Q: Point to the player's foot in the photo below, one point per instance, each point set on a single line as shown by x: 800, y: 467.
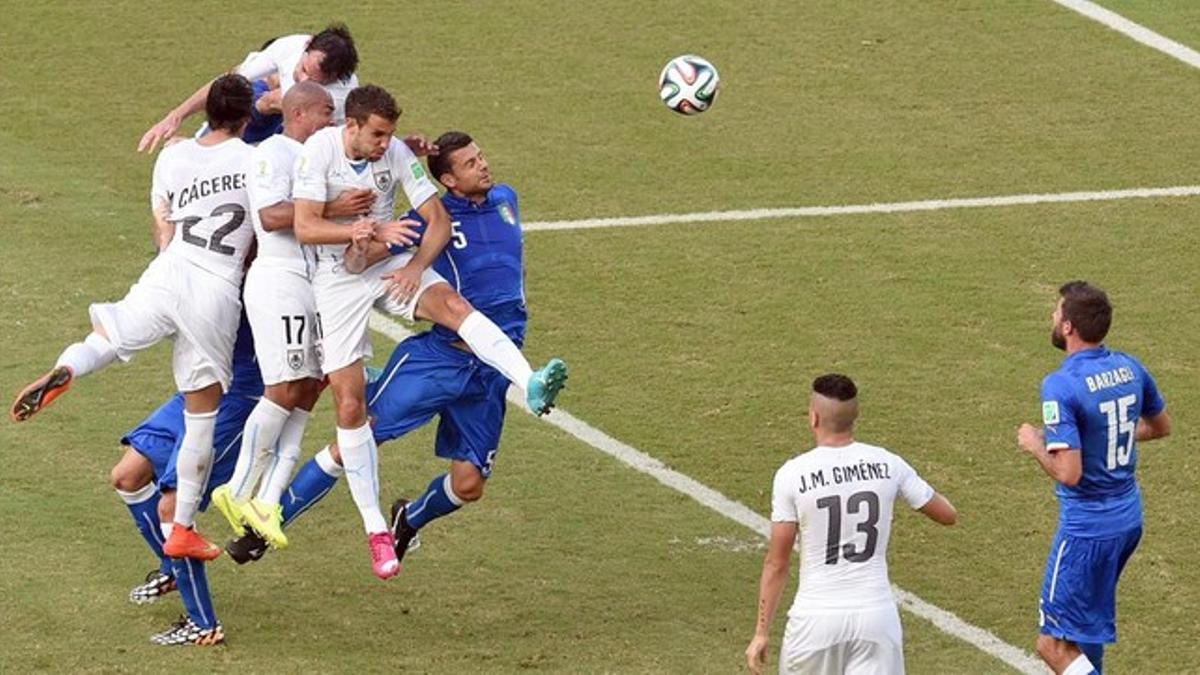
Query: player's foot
x: 267, y: 520
x: 185, y: 542
x: 247, y: 548
x: 544, y: 386
x: 383, y: 555
x: 157, y: 585
x: 41, y: 392
x: 407, y: 537
x: 185, y: 632
x: 222, y: 498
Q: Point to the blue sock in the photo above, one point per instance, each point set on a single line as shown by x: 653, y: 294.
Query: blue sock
x: 193, y: 590
x: 439, y: 500
x: 143, y: 506
x: 313, y: 481
x: 1095, y: 654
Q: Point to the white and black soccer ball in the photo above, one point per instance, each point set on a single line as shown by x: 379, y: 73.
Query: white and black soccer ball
x: 689, y: 84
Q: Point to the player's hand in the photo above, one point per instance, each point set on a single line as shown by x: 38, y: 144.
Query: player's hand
x: 397, y: 232
x: 420, y: 145
x: 1031, y: 438
x: 165, y: 129
x: 756, y: 654
x: 350, y: 203
x: 361, y: 233
x: 404, y: 282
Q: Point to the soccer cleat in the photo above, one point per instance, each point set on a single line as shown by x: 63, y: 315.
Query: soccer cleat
x: 544, y: 386
x: 157, y: 585
x: 41, y: 392
x: 407, y: 537
x: 247, y: 548
x: 185, y: 633
x: 267, y: 520
x: 383, y: 555
x: 222, y: 498
x: 185, y: 542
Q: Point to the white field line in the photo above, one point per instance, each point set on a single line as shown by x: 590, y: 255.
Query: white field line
x: 738, y: 512
x: 1134, y: 30
x: 885, y: 207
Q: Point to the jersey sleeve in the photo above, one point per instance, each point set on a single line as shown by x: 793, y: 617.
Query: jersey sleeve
x: 270, y: 181
x: 396, y: 249
x: 913, y: 489
x: 783, y: 502
x: 1058, y: 415
x: 1152, y: 400
x: 308, y: 176
x: 258, y: 65
x: 413, y: 177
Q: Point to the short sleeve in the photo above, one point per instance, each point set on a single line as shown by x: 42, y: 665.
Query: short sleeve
x: 270, y: 180
x: 308, y: 176
x: 783, y: 501
x: 1058, y: 415
x: 1152, y: 400
x: 913, y: 489
x: 257, y: 65
x: 413, y: 177
x: 160, y: 195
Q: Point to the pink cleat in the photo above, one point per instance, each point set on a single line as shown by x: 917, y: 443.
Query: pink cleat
x: 383, y: 555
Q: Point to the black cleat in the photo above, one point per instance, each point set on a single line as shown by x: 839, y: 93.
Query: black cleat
x: 185, y: 632
x: 156, y: 586
x: 246, y: 548
x: 407, y: 538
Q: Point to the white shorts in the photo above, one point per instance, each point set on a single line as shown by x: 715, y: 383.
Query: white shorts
x: 283, y: 315
x: 862, y: 642
x: 174, y: 298
x: 344, y: 303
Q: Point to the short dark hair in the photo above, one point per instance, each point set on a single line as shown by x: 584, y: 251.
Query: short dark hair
x: 341, y: 57
x: 447, y: 143
x: 230, y: 100
x: 370, y: 100
x: 835, y: 386
x: 1087, y: 307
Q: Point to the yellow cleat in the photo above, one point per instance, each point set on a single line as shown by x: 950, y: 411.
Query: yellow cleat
x: 267, y: 520
x: 222, y: 498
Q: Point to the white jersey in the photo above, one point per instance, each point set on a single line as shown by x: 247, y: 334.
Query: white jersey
x: 281, y: 58
x: 269, y: 182
x: 324, y: 171
x: 842, y: 500
x: 203, y: 188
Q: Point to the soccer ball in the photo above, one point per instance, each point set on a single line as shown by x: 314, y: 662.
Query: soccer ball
x: 688, y: 84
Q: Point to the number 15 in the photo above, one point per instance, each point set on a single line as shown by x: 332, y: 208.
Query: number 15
x: 1120, y: 425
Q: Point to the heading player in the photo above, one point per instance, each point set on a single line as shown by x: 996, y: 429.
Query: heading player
x: 839, y: 496
x: 1095, y: 408
x: 364, y: 153
x: 328, y: 58
x: 189, y: 292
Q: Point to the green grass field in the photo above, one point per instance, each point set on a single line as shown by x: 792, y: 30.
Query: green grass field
x: 693, y: 342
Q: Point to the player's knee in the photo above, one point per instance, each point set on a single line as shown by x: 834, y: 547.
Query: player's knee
x: 1048, y: 648
x: 166, y: 507
x: 468, y: 485
x: 126, y: 480
x: 456, y: 307
x: 351, y: 409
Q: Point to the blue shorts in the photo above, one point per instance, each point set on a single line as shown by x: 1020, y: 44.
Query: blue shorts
x: 1079, y: 593
x: 426, y: 377
x: 261, y: 127
x: 158, y: 437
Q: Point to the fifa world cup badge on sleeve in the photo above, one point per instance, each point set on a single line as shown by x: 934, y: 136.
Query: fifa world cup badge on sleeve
x: 1049, y: 412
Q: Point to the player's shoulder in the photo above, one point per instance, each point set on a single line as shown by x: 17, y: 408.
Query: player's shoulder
x: 503, y: 192
x: 1127, y: 359
x: 1059, y: 382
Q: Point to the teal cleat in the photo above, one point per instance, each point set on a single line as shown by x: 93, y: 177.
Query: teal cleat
x: 544, y: 386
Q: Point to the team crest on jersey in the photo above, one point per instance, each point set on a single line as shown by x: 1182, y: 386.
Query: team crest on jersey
x: 383, y: 179
x: 295, y: 358
x: 1050, y: 412
x: 507, y: 214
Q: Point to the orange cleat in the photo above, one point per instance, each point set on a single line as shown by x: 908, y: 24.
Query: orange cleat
x: 41, y: 392
x: 185, y: 542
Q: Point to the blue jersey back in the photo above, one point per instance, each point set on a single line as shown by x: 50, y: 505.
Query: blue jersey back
x: 1093, y: 403
x: 485, y: 259
x: 247, y: 379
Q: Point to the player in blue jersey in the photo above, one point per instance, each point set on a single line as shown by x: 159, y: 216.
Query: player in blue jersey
x: 145, y: 480
x: 434, y: 373
x: 1095, y: 409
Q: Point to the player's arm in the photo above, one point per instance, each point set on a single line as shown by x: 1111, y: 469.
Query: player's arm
x: 437, y: 232
x: 1154, y: 427
x: 1063, y: 464
x: 169, y: 125
x: 940, y: 510
x: 164, y: 230
x: 770, y: 588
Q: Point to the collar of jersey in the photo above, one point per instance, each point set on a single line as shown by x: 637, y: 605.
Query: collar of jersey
x: 1091, y: 353
x: 452, y: 199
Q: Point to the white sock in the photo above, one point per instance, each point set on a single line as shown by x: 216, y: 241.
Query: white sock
x: 1082, y: 665
x: 362, y: 473
x: 286, y: 456
x: 495, y: 348
x: 194, y: 464
x: 88, y: 356
x: 166, y: 529
x: 138, y: 496
x: 325, y: 460
x: 262, y: 430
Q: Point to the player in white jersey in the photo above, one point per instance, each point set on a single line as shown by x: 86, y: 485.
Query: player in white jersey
x: 328, y: 58
x: 839, y: 497
x: 189, y: 293
x: 364, y: 153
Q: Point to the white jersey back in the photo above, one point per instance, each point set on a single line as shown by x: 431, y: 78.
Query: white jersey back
x: 269, y: 182
x: 842, y: 500
x: 281, y: 58
x: 203, y: 189
x: 324, y: 171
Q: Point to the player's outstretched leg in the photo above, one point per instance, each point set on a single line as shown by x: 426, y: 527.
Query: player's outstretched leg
x: 77, y: 360
x: 544, y: 385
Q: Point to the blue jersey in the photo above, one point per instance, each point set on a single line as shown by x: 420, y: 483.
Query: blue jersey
x: 247, y: 379
x: 485, y: 259
x: 1093, y: 403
